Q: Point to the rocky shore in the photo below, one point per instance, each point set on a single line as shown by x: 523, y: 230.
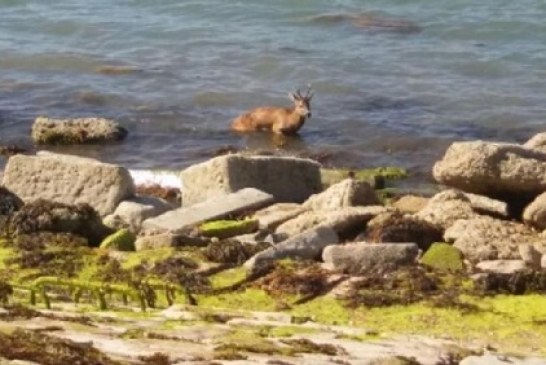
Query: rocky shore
x: 276, y: 260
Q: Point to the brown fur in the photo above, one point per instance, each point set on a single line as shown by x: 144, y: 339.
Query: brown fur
x: 275, y: 119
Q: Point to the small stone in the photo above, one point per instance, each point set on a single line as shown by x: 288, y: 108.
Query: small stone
x: 76, y: 131
x: 443, y: 256
x: 410, y: 203
x: 347, y: 193
x: 276, y: 214
x: 502, y: 266
x: 530, y: 255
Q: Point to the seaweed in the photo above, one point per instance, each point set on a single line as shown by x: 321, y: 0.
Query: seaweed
x: 232, y: 251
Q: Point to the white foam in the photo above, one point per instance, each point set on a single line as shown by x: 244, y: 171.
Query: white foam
x: 163, y: 178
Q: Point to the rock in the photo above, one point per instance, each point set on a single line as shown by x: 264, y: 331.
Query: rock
x: 362, y: 257
x: 288, y: 179
x: 502, y: 266
x: 410, y: 203
x: 305, y: 246
x: 498, y: 359
x: 492, y: 169
x: 535, y: 213
x: 396, y: 227
x: 9, y: 202
x: 276, y: 214
x: 486, y: 238
x: 122, y: 240
x: 178, y: 220
x: 347, y: 193
x: 530, y: 255
x: 445, y: 208
x: 486, y: 205
x: 228, y: 228
x: 537, y: 142
x: 342, y: 221
x: 443, y: 256
x: 152, y: 241
x: 132, y: 212
x: 43, y: 215
x: 68, y: 179
x: 76, y: 131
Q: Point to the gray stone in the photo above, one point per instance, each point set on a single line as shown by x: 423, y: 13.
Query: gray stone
x: 306, y: 246
x: 492, y: 168
x: 362, y: 257
x: 131, y: 213
x: 486, y: 205
x: 502, y: 266
x: 276, y: 214
x: 178, y: 220
x: 535, y: 213
x: 68, y: 179
x: 76, y: 131
x: 347, y: 193
x: 485, y: 238
x: 340, y: 221
x: 288, y: 179
x: 530, y: 255
x: 447, y: 207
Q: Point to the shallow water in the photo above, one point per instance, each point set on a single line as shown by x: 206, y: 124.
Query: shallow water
x: 186, y: 68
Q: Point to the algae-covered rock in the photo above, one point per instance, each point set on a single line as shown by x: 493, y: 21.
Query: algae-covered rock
x: 395, y: 227
x: 76, y: 131
x: 43, y: 215
x: 228, y: 228
x: 122, y: 240
x: 374, y: 176
x: 443, y: 256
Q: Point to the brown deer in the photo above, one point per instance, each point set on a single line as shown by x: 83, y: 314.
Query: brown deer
x: 276, y: 119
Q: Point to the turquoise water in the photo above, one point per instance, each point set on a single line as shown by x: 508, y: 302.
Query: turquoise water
x: 472, y: 69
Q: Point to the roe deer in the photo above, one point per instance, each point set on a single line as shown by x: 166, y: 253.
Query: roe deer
x: 275, y: 119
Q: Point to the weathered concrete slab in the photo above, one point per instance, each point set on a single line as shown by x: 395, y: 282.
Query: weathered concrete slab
x: 306, y: 246
x: 179, y: 219
x: 131, y: 213
x: 68, y: 179
x: 362, y: 257
x: 273, y: 216
x: 288, y: 179
x: 502, y: 266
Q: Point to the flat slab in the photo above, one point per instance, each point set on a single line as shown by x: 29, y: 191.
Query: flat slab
x: 177, y: 220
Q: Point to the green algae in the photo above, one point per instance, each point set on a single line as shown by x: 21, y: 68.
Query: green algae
x: 122, y: 240
x: 228, y: 278
x: 228, y: 228
x: 443, y: 256
x: 245, y: 299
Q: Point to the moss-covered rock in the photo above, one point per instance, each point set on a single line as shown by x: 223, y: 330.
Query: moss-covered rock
x: 232, y: 251
x: 375, y: 176
x: 122, y: 240
x: 443, y: 256
x: 228, y: 228
x: 396, y: 227
x: 43, y: 215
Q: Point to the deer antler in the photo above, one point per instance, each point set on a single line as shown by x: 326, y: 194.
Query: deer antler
x: 309, y: 93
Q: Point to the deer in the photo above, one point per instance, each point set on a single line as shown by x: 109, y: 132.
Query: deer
x: 283, y: 121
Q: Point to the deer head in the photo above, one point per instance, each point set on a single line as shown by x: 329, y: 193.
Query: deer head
x: 302, y: 103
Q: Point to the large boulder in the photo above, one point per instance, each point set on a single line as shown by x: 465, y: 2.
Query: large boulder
x: 492, y: 169
x: 347, y: 193
x: 537, y: 142
x: 76, y: 131
x: 362, y: 257
x: 485, y: 238
x: 288, y: 179
x: 68, y: 179
x: 42, y: 215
